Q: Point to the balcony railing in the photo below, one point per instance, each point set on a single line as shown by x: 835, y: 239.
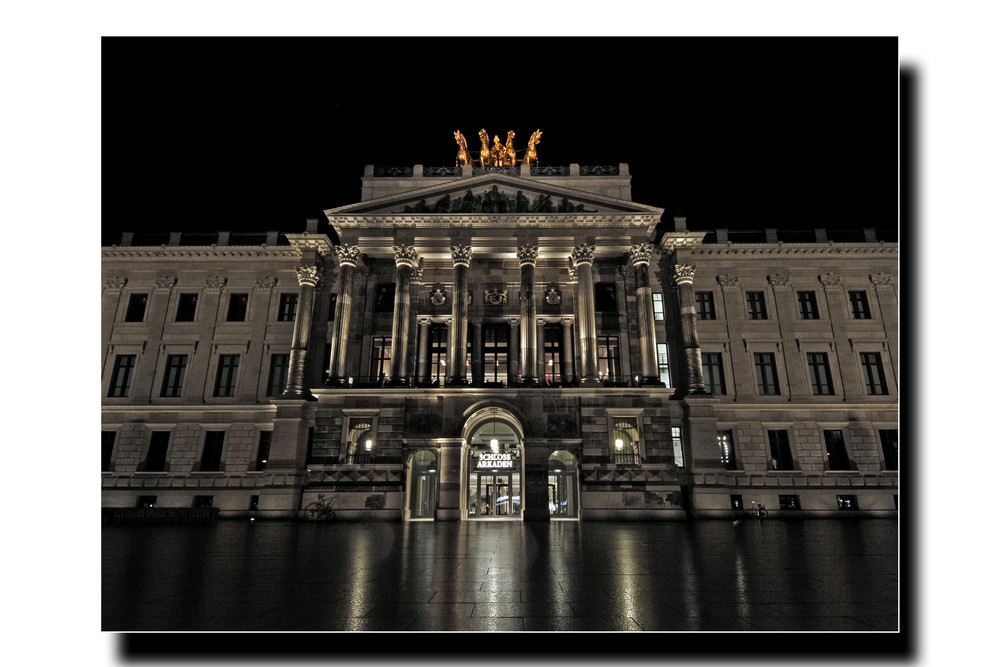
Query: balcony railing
x: 627, y: 459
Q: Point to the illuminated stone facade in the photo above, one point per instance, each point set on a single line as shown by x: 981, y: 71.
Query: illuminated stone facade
x: 517, y: 343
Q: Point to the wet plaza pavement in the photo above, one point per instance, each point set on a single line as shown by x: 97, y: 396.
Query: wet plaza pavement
x: 812, y: 575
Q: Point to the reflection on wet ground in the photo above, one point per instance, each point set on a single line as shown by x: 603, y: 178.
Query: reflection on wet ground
x: 815, y: 575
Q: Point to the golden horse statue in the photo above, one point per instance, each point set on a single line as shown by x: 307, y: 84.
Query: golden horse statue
x: 510, y: 159
x: 531, y: 155
x: 484, y: 154
x: 463, y: 150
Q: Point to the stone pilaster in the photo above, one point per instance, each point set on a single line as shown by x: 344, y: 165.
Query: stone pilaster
x: 640, y: 254
x: 423, y: 350
x: 583, y: 260
x: 458, y: 334
x: 567, y: 370
x: 348, y: 257
x: 513, y: 343
x: 684, y: 279
x: 295, y: 388
x: 406, y: 261
x: 526, y: 257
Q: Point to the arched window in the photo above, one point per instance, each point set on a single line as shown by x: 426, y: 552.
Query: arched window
x: 625, y: 440
x: 562, y: 485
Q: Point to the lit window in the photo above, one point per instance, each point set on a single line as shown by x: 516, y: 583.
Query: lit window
x: 727, y: 452
x: 848, y: 503
x: 780, y: 449
x: 675, y: 439
x: 625, y: 440
x: 658, y: 313
x: 789, y: 502
x: 663, y: 363
x: 361, y: 439
x: 608, y: 362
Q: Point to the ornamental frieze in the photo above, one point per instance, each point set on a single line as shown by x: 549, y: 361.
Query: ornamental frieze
x: 164, y: 283
x: 728, y: 280
x: 495, y: 201
x: 495, y: 297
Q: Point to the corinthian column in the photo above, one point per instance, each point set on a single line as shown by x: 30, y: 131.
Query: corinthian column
x: 684, y: 278
x: 458, y: 335
x: 640, y: 254
x: 527, y: 255
x: 295, y: 387
x: 583, y: 260
x: 348, y: 256
x: 406, y: 261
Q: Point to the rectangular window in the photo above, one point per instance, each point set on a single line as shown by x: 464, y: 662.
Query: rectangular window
x: 756, y: 309
x: 385, y: 298
x: 727, y: 452
x: 263, y: 450
x: 173, y: 375
x: 711, y: 368
x: 156, y: 455
x: 496, y: 340
x: 889, y: 438
x: 871, y: 365
x: 551, y: 346
x: 237, y: 311
x: 107, y: 449
x: 678, y: 444
x: 605, y: 298
x: 859, y: 305
x: 187, y: 306
x: 625, y: 440
x: 736, y: 502
x: 658, y: 312
x: 819, y: 373
x: 145, y: 502
x: 211, y: 453
x: 439, y: 353
x: 781, y: 450
x: 136, y: 310
x: 848, y: 503
x: 332, y: 313
x: 225, y: 377
x: 836, y: 451
x: 121, y: 375
x: 277, y: 374
x: 608, y: 361
x: 788, y: 502
x: 808, y: 307
x: 704, y: 303
x: 767, y: 373
x: 254, y: 501
x: 663, y: 363
x: 203, y: 502
x: 286, y: 307
x: 381, y: 357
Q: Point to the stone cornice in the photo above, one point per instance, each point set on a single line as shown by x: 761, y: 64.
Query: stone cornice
x: 545, y: 220
x: 811, y: 250
x: 198, y: 253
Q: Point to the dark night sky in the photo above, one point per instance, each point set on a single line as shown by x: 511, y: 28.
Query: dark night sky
x: 259, y: 134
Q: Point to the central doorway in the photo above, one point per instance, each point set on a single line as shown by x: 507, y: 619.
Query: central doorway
x: 493, y: 466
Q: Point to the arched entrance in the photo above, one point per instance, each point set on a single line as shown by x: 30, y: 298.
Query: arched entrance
x: 493, y: 466
x: 423, y: 484
x: 563, y: 503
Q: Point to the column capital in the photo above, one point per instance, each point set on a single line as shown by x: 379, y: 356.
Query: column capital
x: 513, y: 320
x: 165, y: 283
x: 115, y: 284
x: 779, y: 280
x: 583, y: 254
x: 406, y: 255
x: 684, y: 274
x: 309, y: 275
x: 461, y: 255
x: 880, y: 279
x: 216, y: 282
x: 527, y: 254
x: 348, y: 255
x: 574, y: 277
x: 424, y: 321
x: 640, y: 253
x: 728, y: 280
x: 265, y: 283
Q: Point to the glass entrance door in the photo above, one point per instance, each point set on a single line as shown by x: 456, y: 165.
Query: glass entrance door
x: 494, y: 495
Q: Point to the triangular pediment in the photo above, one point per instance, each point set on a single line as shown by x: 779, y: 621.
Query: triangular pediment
x: 490, y: 194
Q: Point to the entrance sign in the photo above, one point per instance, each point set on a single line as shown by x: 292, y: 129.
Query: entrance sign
x: 495, y: 460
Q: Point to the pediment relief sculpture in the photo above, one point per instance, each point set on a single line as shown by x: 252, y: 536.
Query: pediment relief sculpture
x: 495, y: 201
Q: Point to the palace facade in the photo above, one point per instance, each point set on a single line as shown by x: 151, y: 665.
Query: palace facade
x: 500, y: 343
